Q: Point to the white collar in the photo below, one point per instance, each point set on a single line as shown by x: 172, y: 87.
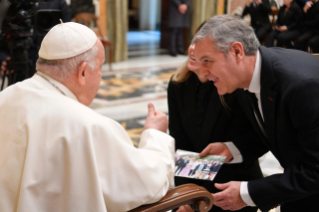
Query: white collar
x: 63, y: 88
x: 254, y: 86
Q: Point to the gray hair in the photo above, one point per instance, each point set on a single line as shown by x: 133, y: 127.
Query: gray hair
x: 64, y: 68
x: 227, y: 29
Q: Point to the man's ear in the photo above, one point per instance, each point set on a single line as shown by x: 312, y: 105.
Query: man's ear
x: 82, y: 74
x: 237, y: 50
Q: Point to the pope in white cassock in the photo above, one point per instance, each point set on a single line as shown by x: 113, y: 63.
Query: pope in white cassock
x: 56, y: 154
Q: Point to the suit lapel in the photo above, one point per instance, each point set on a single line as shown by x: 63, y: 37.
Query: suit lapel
x: 268, y: 96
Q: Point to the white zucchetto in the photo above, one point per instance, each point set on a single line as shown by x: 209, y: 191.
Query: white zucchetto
x: 67, y: 40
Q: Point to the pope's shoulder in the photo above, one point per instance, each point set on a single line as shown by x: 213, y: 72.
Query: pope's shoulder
x: 45, y: 104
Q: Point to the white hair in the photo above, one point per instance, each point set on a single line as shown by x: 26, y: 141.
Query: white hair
x: 227, y: 29
x: 64, y: 68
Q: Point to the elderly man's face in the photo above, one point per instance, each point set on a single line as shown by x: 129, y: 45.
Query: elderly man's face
x: 216, y: 67
x: 95, y: 76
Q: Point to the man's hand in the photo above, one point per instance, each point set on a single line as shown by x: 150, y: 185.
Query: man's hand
x: 281, y: 28
x: 229, y: 198
x: 185, y: 208
x: 156, y: 119
x: 217, y: 148
x: 307, y: 6
x: 182, y: 8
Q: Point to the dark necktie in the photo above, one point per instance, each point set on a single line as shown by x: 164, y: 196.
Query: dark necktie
x: 254, y: 104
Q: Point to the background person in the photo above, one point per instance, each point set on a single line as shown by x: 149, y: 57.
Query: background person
x: 57, y: 154
x: 178, y: 19
x: 259, y: 17
x: 286, y: 26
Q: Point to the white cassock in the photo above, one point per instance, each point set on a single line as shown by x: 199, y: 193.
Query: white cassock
x: 59, y: 155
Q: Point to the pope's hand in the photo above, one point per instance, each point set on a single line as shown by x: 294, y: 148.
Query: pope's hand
x: 229, y: 198
x: 217, y: 148
x: 155, y: 119
x: 185, y: 208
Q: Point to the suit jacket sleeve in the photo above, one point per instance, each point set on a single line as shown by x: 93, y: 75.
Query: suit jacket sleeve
x: 187, y: 2
x: 176, y: 2
x: 301, y: 178
x: 265, y: 5
x: 279, y: 18
x: 179, y: 2
x: 176, y: 128
x: 313, y: 22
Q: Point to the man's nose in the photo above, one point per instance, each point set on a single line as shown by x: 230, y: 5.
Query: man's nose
x: 203, y: 72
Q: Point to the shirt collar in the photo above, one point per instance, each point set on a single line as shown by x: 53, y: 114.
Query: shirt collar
x: 254, y: 86
x: 63, y: 88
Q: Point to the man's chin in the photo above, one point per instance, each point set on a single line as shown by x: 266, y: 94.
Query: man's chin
x: 221, y: 91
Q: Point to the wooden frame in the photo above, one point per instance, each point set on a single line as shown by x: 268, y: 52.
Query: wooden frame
x: 188, y: 194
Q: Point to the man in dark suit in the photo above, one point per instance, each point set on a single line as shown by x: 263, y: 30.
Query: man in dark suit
x: 178, y: 19
x: 181, y: 163
x: 201, y: 166
x: 259, y: 12
x: 215, y: 167
x: 282, y: 102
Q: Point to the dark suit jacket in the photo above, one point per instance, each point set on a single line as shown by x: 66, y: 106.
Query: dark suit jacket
x: 219, y: 126
x: 290, y: 105
x: 310, y: 19
x: 260, y: 15
x: 175, y: 18
x: 290, y: 18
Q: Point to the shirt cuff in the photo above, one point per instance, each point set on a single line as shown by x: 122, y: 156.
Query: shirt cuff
x: 245, y: 195
x: 237, y: 157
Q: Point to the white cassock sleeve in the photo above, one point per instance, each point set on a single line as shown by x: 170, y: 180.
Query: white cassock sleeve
x: 133, y: 176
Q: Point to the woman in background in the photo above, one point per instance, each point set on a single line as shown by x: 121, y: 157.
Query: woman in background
x: 198, y: 116
x: 286, y: 27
